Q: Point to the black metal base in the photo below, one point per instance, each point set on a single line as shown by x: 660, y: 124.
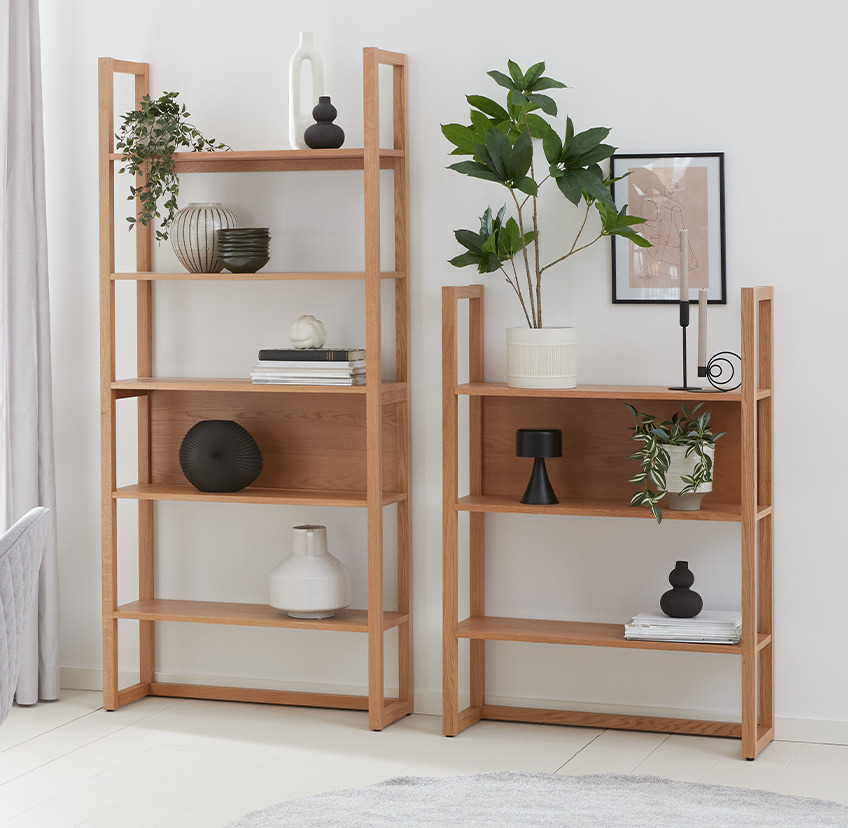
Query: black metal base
x: 685, y: 388
x: 539, y: 491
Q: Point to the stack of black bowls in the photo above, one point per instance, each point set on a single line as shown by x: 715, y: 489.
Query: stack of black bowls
x: 244, y: 249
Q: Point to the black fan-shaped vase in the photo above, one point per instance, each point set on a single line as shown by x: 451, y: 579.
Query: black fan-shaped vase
x: 219, y: 456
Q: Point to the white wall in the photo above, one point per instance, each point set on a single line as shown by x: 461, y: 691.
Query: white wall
x: 761, y: 81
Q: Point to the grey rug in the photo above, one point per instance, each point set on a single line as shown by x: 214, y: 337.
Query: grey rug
x: 540, y: 800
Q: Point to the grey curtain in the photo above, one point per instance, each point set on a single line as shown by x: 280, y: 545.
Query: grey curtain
x: 26, y: 420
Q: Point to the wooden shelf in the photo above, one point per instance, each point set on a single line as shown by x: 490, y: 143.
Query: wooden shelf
x: 592, y: 479
x: 321, y: 445
x: 579, y: 633
x: 148, y: 276
x: 346, y: 158
x: 390, y: 391
x: 599, y: 508
x: 285, y: 497
x: 603, y: 392
x: 249, y: 615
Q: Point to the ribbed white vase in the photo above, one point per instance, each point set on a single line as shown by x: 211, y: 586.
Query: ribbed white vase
x: 310, y: 583
x: 679, y: 464
x: 193, y: 236
x: 541, y: 357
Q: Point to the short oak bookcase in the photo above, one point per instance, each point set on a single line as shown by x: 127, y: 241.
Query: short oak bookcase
x: 592, y: 480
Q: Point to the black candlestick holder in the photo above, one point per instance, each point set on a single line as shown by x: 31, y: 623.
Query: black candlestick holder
x: 539, y: 443
x: 684, y: 325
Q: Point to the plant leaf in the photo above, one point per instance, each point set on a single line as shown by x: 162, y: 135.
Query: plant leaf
x: 501, y: 79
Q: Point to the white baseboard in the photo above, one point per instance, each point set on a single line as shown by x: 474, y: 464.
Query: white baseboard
x: 429, y: 702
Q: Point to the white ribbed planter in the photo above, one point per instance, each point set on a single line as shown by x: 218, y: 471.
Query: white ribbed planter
x: 679, y: 465
x: 541, y: 357
x: 193, y: 236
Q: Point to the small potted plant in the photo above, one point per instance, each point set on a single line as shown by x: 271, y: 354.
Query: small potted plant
x: 677, y: 457
x: 500, y: 143
x: 148, y: 137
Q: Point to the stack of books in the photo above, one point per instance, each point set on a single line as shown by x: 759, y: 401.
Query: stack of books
x: 708, y: 627
x: 310, y: 366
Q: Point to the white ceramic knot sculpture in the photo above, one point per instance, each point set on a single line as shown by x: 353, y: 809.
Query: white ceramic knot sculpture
x: 308, y: 332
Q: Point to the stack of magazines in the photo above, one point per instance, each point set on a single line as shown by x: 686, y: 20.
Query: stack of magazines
x: 310, y: 366
x: 708, y: 627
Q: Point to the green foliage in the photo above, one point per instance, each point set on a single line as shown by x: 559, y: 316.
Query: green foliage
x: 148, y: 138
x: 499, y: 141
x: 495, y: 243
x: 683, y: 429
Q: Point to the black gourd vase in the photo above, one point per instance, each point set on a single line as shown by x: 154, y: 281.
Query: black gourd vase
x: 681, y: 601
x: 324, y: 134
x: 219, y: 456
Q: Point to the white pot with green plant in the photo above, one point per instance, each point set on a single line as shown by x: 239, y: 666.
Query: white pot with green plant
x: 500, y: 143
x: 677, y: 458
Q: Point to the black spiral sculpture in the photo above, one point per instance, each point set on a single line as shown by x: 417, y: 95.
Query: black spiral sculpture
x: 721, y: 370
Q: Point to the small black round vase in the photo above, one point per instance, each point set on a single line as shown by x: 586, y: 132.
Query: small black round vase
x: 681, y: 601
x: 219, y: 456
x: 324, y: 134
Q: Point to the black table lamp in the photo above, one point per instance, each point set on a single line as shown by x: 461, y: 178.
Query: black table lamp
x: 539, y: 443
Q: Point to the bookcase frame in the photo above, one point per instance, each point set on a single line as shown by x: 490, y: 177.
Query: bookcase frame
x: 591, y: 480
x: 361, y: 460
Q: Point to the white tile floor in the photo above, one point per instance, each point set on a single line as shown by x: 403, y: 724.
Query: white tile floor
x: 196, y: 764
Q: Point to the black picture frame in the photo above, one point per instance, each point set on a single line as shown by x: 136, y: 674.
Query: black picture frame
x: 656, y: 189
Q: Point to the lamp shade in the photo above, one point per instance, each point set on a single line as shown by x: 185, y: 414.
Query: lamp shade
x: 538, y: 442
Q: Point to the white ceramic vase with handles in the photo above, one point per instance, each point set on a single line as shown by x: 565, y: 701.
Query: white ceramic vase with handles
x: 298, y: 119
x: 310, y: 583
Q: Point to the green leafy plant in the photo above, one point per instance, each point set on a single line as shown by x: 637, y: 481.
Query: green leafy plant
x: 148, y: 138
x: 685, y: 428
x: 499, y: 140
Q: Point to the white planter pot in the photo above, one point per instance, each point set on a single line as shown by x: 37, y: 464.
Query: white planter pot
x: 193, y: 236
x: 679, y: 465
x: 541, y: 357
x: 310, y: 583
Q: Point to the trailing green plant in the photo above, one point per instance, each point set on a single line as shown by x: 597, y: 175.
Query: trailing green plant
x: 499, y: 140
x: 685, y: 428
x: 148, y: 137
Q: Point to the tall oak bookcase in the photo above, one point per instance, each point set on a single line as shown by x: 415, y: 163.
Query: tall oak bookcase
x: 364, y: 465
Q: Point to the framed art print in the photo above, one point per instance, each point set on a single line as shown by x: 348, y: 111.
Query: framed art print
x: 672, y: 192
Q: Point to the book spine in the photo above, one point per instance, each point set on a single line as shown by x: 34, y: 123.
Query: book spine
x: 313, y: 354
x: 314, y: 365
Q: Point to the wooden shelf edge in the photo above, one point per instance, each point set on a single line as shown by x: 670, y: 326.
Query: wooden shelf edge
x: 248, y: 694
x: 254, y: 277
x: 596, y: 392
x: 726, y: 512
x: 248, y: 615
x: 152, y: 491
x: 574, y: 633
x: 137, y: 386
x: 616, y: 721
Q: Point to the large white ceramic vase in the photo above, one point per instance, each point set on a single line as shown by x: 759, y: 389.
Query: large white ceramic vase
x: 680, y: 464
x: 310, y: 583
x: 193, y: 236
x: 541, y: 357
